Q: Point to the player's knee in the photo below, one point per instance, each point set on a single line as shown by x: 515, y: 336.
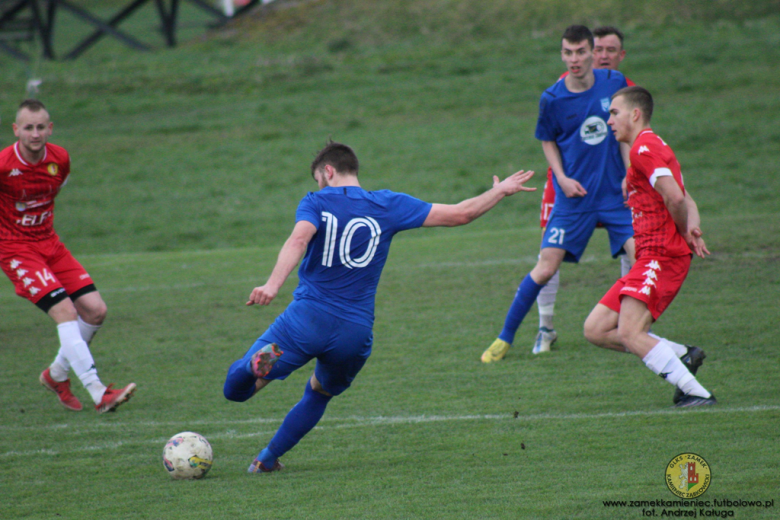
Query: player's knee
x: 593, y: 331
x: 96, y: 314
x: 91, y: 308
x: 235, y: 394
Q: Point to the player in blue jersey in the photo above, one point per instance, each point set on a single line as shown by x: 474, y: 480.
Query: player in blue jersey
x: 589, y: 168
x: 341, y: 238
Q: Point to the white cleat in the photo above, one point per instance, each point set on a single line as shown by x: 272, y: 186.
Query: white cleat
x: 544, y: 340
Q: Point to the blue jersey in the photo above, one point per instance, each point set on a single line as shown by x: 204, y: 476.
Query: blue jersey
x: 577, y: 122
x: 345, y: 257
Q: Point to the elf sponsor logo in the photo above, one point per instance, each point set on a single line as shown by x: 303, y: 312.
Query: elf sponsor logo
x: 688, y: 475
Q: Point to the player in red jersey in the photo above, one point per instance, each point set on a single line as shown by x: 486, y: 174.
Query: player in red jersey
x: 666, y: 230
x: 608, y: 52
x: 32, y: 172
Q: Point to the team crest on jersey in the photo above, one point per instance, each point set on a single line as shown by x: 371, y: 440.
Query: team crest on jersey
x: 21, y: 206
x: 53, y: 169
x: 593, y: 130
x: 15, y: 172
x: 605, y: 104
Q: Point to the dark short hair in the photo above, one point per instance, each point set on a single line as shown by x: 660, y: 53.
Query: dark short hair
x: 606, y: 30
x: 33, y: 105
x: 340, y: 156
x: 638, y: 97
x: 578, y: 33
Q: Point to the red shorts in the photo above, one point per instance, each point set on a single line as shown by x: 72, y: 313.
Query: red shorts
x: 42, y: 268
x: 654, y: 280
x: 548, y: 199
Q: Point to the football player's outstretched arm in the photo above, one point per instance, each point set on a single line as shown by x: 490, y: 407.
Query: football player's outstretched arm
x: 470, y: 209
x: 292, y: 252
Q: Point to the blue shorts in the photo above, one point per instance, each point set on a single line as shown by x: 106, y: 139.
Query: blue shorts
x: 572, y: 232
x: 305, y: 331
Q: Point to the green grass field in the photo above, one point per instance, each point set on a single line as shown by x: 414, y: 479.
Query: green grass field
x: 187, y: 167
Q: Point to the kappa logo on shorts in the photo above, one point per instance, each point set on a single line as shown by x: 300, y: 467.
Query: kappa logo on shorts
x: 34, y: 291
x: 27, y: 281
x: 650, y: 277
x: 21, y: 272
x: 15, y: 263
x: 593, y: 131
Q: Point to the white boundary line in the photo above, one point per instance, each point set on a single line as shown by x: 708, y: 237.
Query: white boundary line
x: 340, y: 423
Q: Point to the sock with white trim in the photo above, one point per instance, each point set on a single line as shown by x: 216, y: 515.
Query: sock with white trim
x: 546, y: 301
x: 87, y: 330
x: 663, y: 361
x: 679, y: 350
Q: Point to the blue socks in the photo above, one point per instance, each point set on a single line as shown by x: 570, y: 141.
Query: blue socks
x: 299, y: 421
x: 524, y: 298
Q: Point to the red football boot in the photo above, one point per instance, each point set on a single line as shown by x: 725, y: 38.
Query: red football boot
x: 113, y: 398
x: 62, y: 389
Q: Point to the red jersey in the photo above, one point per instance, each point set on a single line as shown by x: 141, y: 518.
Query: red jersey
x: 27, y: 192
x: 654, y: 230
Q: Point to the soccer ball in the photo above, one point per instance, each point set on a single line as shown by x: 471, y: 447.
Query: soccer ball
x: 187, y: 455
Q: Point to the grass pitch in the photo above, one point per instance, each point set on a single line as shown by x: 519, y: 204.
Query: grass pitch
x: 187, y: 167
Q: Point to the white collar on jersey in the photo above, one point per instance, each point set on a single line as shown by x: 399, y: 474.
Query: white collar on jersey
x: 19, y: 155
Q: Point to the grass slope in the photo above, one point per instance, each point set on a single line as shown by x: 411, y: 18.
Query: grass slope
x: 188, y: 165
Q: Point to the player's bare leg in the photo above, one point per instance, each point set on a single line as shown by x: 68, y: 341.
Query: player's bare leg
x: 91, y: 311
x: 601, y: 328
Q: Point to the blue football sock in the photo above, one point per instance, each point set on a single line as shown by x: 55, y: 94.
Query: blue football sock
x: 299, y: 421
x: 524, y: 298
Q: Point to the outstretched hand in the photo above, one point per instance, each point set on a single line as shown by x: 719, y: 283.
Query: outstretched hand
x: 696, y: 242
x: 514, y: 182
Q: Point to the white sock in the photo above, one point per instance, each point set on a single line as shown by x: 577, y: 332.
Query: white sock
x: 75, y: 350
x: 679, y: 350
x: 662, y: 361
x: 58, y: 370
x: 546, y: 301
x: 625, y: 265
x: 87, y: 330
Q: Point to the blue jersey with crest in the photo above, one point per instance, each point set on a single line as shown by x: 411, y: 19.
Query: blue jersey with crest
x: 577, y: 122
x: 344, y: 260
